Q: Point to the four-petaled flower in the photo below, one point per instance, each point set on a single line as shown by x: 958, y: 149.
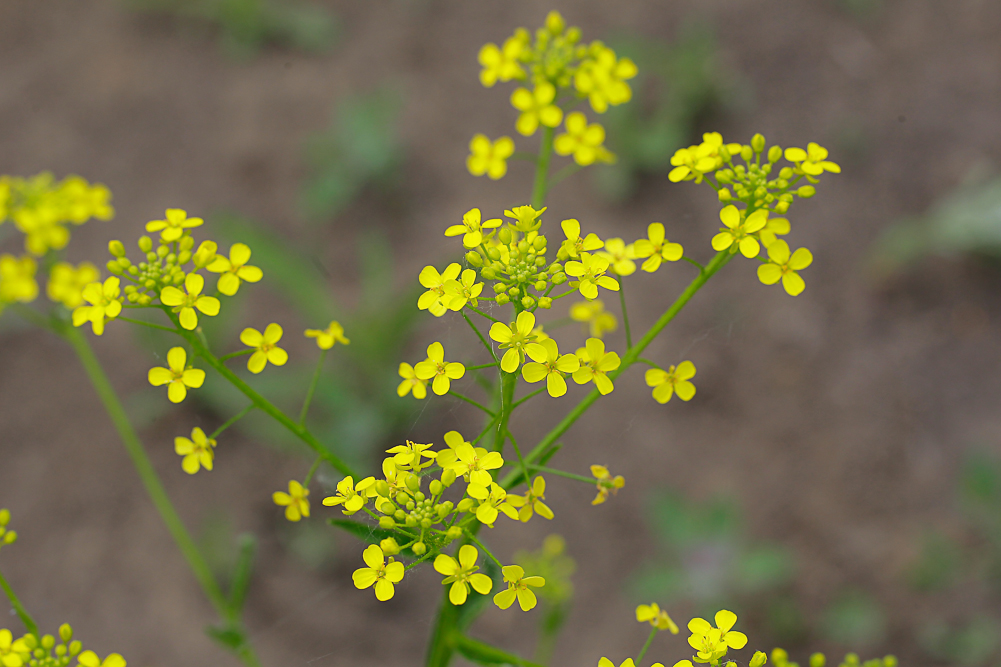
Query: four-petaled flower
x: 411, y: 383
x: 531, y: 502
x: 595, y: 363
x: 436, y: 367
x: 234, y: 269
x: 590, y: 272
x: 432, y: 300
x: 620, y: 256
x: 295, y: 502
x: 606, y: 483
x: 501, y: 63
x: 185, y: 304
x: 675, y: 380
x: 472, y: 463
x: 548, y: 364
x: 782, y: 265
x: 518, y: 587
x: 66, y: 282
x: 657, y: 249
x: 526, y: 218
x: 196, y: 450
x: 462, y: 574
x: 462, y: 291
x: 583, y: 141
x: 712, y: 643
x: 352, y: 496
x: 408, y: 456
x: 488, y: 157
x: 265, y: 347
x: 536, y: 107
x: 575, y: 244
x: 472, y: 228
x: 496, y: 501
x: 657, y: 617
x: 813, y: 161
x: 173, y: 227
x: 514, y: 338
x: 177, y: 376
x: 104, y: 301
x: 593, y: 313
x: 325, y: 338
x: 738, y: 230
x: 378, y: 572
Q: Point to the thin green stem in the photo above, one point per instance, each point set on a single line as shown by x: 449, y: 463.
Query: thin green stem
x: 240, y: 353
x: 462, y: 397
x: 517, y: 452
x: 563, y: 473
x: 22, y: 613
x: 565, y: 172
x: 482, y: 314
x: 625, y: 313
x: 159, y: 327
x: 479, y: 366
x: 649, y: 640
x: 508, y: 383
x: 485, y: 652
x: 312, y: 471
x: 232, y: 420
x: 483, y: 340
x: 526, y: 397
x: 541, y: 186
x: 642, y: 360
x: 486, y: 429
x: 32, y: 315
x: 694, y: 263
x: 312, y: 389
x: 475, y: 539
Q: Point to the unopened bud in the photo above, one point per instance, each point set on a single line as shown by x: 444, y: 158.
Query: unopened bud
x: 389, y: 546
x: 806, y: 191
x: 758, y: 659
x: 387, y: 523
x: 419, y: 549
x: 758, y: 143
x: 474, y: 258
x: 724, y: 195
x: 436, y: 487
x: 774, y: 154
x: 116, y: 248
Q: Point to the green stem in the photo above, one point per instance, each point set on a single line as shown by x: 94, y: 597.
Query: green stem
x: 625, y: 314
x: 482, y: 314
x: 508, y: 383
x: 480, y: 366
x: 232, y: 420
x: 541, y: 185
x: 22, y: 613
x: 312, y: 471
x: 526, y: 397
x: 483, y: 340
x: 442, y: 645
x: 461, y: 397
x: 565, y: 172
x: 562, y: 473
x: 159, y: 327
x: 473, y: 537
x: 312, y: 388
x: 649, y: 640
x: 241, y: 353
x: 521, y: 459
x: 483, y: 651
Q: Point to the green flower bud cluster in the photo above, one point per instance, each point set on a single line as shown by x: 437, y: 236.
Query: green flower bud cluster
x: 47, y: 653
x: 159, y: 268
x: 781, y: 659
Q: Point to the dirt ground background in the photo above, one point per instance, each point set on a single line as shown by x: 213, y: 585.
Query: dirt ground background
x: 838, y: 418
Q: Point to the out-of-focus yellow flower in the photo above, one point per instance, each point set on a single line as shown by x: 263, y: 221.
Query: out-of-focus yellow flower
x: 436, y: 367
x: 675, y: 380
x: 783, y: 266
x: 593, y: 313
x: 602, y: 78
x: 536, y: 108
x: 489, y: 157
x: 266, y: 347
x: 186, y: 303
x: 620, y: 256
x: 234, y: 269
x: 462, y: 573
x: 657, y: 249
x: 411, y: 383
x: 518, y: 588
x: 197, y: 451
x: 595, y: 364
x: 384, y: 575
x: 583, y: 141
x: 501, y: 64
x: 13, y: 652
x: 295, y: 502
x: 172, y: 228
x: 177, y: 375
x: 17, y: 280
x: 105, y: 303
x: 325, y: 338
x: 91, y: 659
x: 657, y: 617
x: 66, y: 282
x: 472, y: 228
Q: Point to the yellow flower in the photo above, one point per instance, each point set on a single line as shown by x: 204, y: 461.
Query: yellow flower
x: 656, y: 616
x: 436, y: 367
x: 672, y: 381
x: 205, y: 255
x: 90, y: 659
x: 518, y: 587
x: 813, y: 161
x: 462, y: 574
x: 13, y: 652
x: 197, y: 451
x: 488, y: 157
x: 431, y: 300
x: 173, y: 227
x: 326, y: 338
x: 548, y: 364
x: 590, y: 272
x: 774, y: 228
x: 266, y: 345
x: 295, y: 501
x: 408, y: 456
x: 495, y: 502
x: 574, y: 244
x: 378, y: 572
x: 463, y: 291
x: 628, y: 662
x: 17, y: 279
x: 581, y: 140
x: 738, y: 230
x: 514, y: 338
x: 411, y: 383
x: 695, y: 161
x: 66, y: 282
x: 606, y: 483
x: 657, y: 249
x: 783, y: 266
x: 536, y: 107
x: 619, y: 256
x: 712, y: 643
x: 185, y: 304
x: 104, y: 301
x: 472, y: 463
x: 603, y: 79
x: 593, y: 314
x: 235, y: 269
x: 177, y: 376
x: 472, y: 228
x: 352, y: 496
x: 595, y: 363
x: 501, y: 64
x: 531, y: 503
x: 526, y: 218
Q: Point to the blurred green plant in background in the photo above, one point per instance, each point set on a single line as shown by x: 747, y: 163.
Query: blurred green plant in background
x: 552, y: 564
x: 247, y: 26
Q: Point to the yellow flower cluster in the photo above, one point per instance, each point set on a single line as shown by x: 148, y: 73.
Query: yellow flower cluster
x: 7, y: 536
x: 17, y: 280
x: 46, y: 651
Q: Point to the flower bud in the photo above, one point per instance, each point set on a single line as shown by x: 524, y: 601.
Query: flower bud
x: 555, y: 23
x: 818, y: 660
x: 545, y: 302
x: 10, y: 537
x: 419, y: 549
x: 436, y: 487
x: 413, y: 483
x: 453, y: 533
x: 539, y: 243
x: 758, y: 143
x: 780, y: 657
x: 162, y: 251
x: 747, y: 153
x: 806, y: 191
x: 785, y: 173
x: 527, y: 301
x: 399, y: 515
x: 724, y: 195
x: 774, y: 154
x: 124, y: 262
x: 48, y: 641
x: 724, y: 176
x: 499, y: 287
x: 113, y: 267
x: 116, y: 248
x: 387, y: 523
x: 145, y: 243
x: 187, y: 243
x: 75, y: 647
x: 474, y: 258
x: 4, y: 517
x: 389, y: 546
x: 445, y: 509
x: 465, y: 504
x: 425, y: 523
x: 890, y: 661
x: 514, y: 291
x: 540, y: 285
x: 559, y: 278
x: 448, y: 477
x: 504, y: 235
x: 502, y: 299
x: 184, y: 256
x: 758, y: 660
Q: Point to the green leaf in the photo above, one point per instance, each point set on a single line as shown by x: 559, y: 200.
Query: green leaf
x: 228, y: 637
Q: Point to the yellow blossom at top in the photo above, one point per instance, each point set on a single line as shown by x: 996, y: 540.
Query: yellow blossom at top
x: 514, y: 338
x: 408, y: 456
x: 783, y: 266
x: 411, y: 383
x: 657, y: 249
x: 695, y: 161
x: 186, y: 303
x: 489, y: 157
x: 595, y: 363
x: 326, y: 338
x: 177, y: 375
x: 672, y: 381
x: 472, y: 228
x: 172, y: 228
x: 547, y: 363
x: 91, y: 659
x: 813, y: 161
x: 602, y: 78
x: 518, y: 588
x: 606, y: 483
x: 712, y: 643
x: 583, y: 141
x: 657, y: 617
x: 620, y: 256
x: 431, y: 300
x: 17, y: 280
x: 501, y: 64
x: 105, y: 303
x: 380, y: 573
x: 574, y: 244
x: 628, y: 662
x: 536, y: 108
x: 295, y: 502
x: 738, y: 231
x: 462, y: 573
x: 265, y: 347
x: 197, y: 451
x: 436, y: 367
x: 590, y: 273
x: 40, y: 208
x: 352, y: 496
x: 526, y: 218
x: 66, y: 282
x: 234, y: 269
x: 593, y: 313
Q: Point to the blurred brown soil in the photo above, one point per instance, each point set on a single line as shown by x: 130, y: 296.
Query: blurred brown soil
x: 837, y: 417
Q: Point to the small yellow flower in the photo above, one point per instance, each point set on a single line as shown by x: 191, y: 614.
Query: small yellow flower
x: 325, y: 338
x: 738, y: 231
x: 775, y: 227
x: 813, y: 161
x: 235, y: 269
x: 695, y: 161
x: 17, y: 280
x: 581, y: 140
x: 593, y: 313
x: 672, y: 381
x: 657, y: 249
x: 501, y: 64
x: 185, y: 304
x: 531, y: 502
x: 432, y: 300
x: 295, y: 501
x: 518, y: 587
x: 590, y: 272
x: 526, y: 218
x: 462, y: 574
x: 266, y: 347
x: 574, y: 244
x: 657, y: 617
x: 352, y: 496
x: 463, y: 291
x: 783, y: 266
x: 488, y: 157
x: 378, y: 572
x: 411, y: 383
x: 176, y: 375
x: 472, y: 228
x: 13, y: 652
x: 173, y: 227
x: 619, y: 256
x: 514, y: 338
x: 493, y: 504
x: 408, y: 456
x: 197, y: 451
x: 472, y: 463
x: 595, y: 363
x: 606, y: 483
x: 105, y: 303
x: 536, y: 107
x: 436, y: 367
x: 603, y: 79
x: 547, y: 363
x: 90, y: 659
x: 712, y: 643
x: 628, y: 662
x: 66, y: 282
x: 205, y: 255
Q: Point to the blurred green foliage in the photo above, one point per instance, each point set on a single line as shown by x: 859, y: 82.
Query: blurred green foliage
x: 552, y: 564
x: 854, y: 619
x: 360, y: 148
x: 971, y: 644
x: 247, y: 26
x: 679, y: 83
